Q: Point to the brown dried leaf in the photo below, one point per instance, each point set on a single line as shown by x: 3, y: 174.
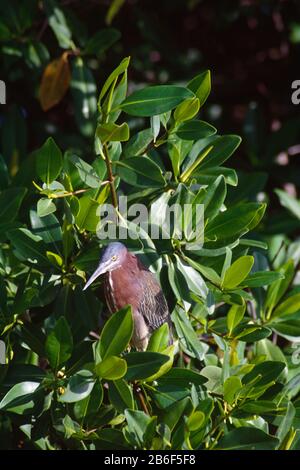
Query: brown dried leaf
x: 55, y: 82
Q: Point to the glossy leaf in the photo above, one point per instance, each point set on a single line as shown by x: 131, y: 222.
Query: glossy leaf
x: 116, y: 333
x: 155, y: 100
x: 201, y: 86
x: 142, y: 365
x: 78, y: 388
x: 235, y: 316
x: 194, y: 130
x: 287, y: 307
x: 237, y: 272
x: 29, y: 247
x: 187, y: 110
x: 83, y: 90
x: 111, y: 368
x: 262, y: 278
x: 59, y: 344
x: 109, y: 132
x: 86, y: 172
x: 247, y: 438
x: 140, y: 172
x: 48, y: 161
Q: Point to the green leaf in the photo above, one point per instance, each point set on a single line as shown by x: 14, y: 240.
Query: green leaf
x: 45, y: 207
x: 267, y: 372
x: 111, y: 368
x: 206, y: 271
x: 287, y: 307
x: 208, y: 175
x: 193, y: 278
x: 122, y: 67
x: 212, y: 198
x: 29, y: 247
x: 110, y: 132
x: 233, y: 221
x: 155, y: 100
x: 196, y: 420
x: 187, y: 336
x: 288, y: 329
x: 101, y: 41
x: 140, y: 427
x: 223, y: 148
x: 47, y: 228
x: 174, y: 412
x: 261, y: 407
x: 120, y: 395
x: 87, y: 217
x: 86, y: 172
x: 237, y: 272
x: 142, y: 365
x: 195, y: 130
x: 140, y: 172
x: 169, y: 351
x: 90, y: 404
x: 247, y: 438
x: 262, y: 278
x: 187, y: 109
x: 58, y: 24
x: 184, y: 377
x: 235, y: 316
x: 278, y: 288
x: 117, y: 333
x: 79, y: 387
x: 111, y: 439
x: 114, y: 8
x: 271, y: 351
x: 21, y: 398
x: 201, y: 86
x: 10, y: 202
x: 286, y: 423
x: 159, y: 339
x: 83, y: 90
x: 48, y: 161
x: 232, y: 385
x: 55, y: 259
x: 214, y: 376
x: 155, y: 126
x: 59, y: 344
x: 251, y: 334
x: 289, y: 202
x: 138, y: 143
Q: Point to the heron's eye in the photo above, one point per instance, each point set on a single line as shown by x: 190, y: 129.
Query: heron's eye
x: 114, y: 257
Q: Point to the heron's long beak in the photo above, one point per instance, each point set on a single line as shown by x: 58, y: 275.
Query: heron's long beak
x: 102, y: 268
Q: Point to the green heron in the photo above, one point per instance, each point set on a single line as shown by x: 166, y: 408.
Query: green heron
x: 128, y: 282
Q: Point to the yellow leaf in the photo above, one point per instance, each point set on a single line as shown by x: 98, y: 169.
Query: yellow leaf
x: 55, y: 82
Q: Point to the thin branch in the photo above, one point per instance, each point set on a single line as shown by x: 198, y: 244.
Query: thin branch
x: 110, y: 177
x: 78, y: 191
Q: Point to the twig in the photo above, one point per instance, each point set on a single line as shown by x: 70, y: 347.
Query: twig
x: 78, y: 191
x: 110, y: 177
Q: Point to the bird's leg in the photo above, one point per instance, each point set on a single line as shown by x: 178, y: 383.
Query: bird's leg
x: 140, y: 395
x: 93, y: 334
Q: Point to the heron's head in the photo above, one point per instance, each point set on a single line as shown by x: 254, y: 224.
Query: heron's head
x: 112, y: 258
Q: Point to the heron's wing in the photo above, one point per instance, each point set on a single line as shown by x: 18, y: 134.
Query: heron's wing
x: 153, y: 305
